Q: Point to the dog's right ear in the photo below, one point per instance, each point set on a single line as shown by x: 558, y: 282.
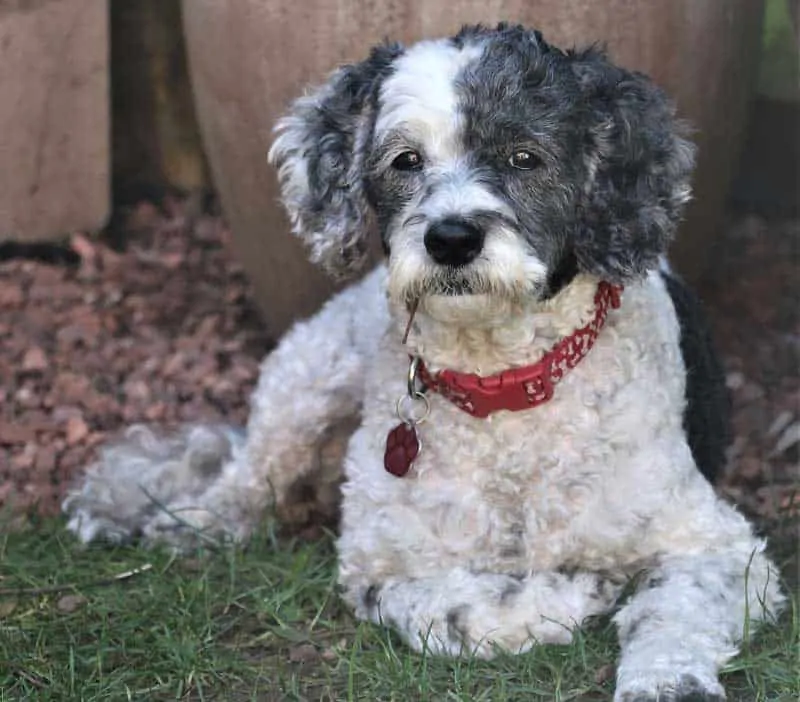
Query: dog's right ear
x: 641, y: 167
x: 319, y: 152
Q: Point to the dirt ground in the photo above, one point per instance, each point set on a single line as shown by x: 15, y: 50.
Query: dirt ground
x: 93, y: 338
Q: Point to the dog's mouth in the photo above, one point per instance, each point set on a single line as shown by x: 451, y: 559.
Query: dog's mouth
x: 453, y: 286
x: 458, y: 283
x: 467, y: 298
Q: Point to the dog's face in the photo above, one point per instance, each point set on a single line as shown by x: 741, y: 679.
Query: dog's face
x: 490, y: 164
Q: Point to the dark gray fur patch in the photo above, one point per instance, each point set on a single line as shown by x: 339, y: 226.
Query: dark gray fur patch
x: 372, y: 597
x: 632, y: 628
x: 329, y: 134
x: 515, y: 546
x: 515, y: 550
x: 706, y: 417
x: 456, y: 623
x: 521, y: 95
x: 511, y: 590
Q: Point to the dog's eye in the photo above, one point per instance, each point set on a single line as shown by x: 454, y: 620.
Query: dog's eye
x: 523, y: 160
x: 407, y: 161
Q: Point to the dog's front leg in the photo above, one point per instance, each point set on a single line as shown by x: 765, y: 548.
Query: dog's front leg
x: 461, y: 612
x: 310, y: 387
x: 206, y: 483
x: 686, y: 620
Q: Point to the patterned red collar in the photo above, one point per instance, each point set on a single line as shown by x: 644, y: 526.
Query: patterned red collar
x: 530, y: 386
x: 512, y: 390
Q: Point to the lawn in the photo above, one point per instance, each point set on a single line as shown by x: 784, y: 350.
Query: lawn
x: 119, y: 623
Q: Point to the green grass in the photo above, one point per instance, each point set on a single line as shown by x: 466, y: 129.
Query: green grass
x: 266, y: 624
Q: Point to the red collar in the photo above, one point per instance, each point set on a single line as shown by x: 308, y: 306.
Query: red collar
x: 530, y: 386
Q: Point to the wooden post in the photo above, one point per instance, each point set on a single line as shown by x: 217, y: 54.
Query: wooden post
x: 54, y: 123
x: 155, y: 139
x: 249, y: 58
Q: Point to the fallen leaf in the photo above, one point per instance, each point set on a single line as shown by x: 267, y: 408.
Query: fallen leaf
x: 83, y: 247
x: 329, y: 654
x: 790, y: 503
x: 34, y: 360
x: 604, y: 674
x: 788, y: 438
x: 16, y: 433
x: 10, y: 295
x: 77, y: 430
x: 780, y: 423
x: 67, y: 604
x: 45, y: 460
x: 750, y: 467
x: 734, y: 380
x: 304, y: 653
x: 193, y: 565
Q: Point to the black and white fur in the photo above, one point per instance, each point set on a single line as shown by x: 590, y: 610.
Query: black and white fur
x: 505, y: 178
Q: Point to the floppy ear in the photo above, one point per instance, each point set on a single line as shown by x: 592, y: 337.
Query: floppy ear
x: 639, y: 167
x: 319, y: 152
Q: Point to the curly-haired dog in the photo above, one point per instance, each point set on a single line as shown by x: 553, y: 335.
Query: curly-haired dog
x: 550, y: 423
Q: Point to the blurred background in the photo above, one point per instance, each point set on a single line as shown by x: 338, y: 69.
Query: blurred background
x: 145, y: 265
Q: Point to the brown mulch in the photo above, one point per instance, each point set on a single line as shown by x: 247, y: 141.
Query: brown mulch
x: 166, y: 331
x: 752, y: 296
x: 163, y: 332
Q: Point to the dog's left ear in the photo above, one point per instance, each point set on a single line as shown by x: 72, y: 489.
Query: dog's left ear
x: 318, y: 152
x: 639, y: 167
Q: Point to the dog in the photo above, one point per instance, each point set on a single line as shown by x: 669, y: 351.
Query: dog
x: 520, y: 407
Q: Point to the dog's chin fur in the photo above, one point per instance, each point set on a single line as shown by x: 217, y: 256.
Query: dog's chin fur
x: 505, y: 276
x: 467, y: 297
x: 471, y: 309
x: 488, y: 309
x: 459, y: 299
x: 487, y: 333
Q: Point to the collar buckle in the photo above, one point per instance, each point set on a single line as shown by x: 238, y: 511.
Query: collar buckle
x: 514, y: 390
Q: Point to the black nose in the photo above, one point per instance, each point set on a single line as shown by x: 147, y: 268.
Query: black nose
x: 453, y: 242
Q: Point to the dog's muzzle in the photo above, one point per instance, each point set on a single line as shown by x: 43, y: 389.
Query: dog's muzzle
x: 454, y: 242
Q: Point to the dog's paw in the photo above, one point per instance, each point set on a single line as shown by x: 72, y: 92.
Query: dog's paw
x: 683, y: 688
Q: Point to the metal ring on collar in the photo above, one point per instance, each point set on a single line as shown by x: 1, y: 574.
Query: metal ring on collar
x: 409, y: 418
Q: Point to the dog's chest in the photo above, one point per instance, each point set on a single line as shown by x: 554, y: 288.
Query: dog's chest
x: 513, y: 484
x: 503, y: 492
x: 552, y: 485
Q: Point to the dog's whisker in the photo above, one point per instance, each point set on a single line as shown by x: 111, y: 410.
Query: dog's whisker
x: 411, y: 312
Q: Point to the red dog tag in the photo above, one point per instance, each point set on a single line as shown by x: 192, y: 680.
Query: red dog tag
x: 402, y: 448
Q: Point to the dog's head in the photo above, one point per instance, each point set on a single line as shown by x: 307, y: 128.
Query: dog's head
x: 489, y: 163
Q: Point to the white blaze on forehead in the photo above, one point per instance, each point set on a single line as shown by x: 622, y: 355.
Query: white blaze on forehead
x: 420, y: 96
x: 460, y: 195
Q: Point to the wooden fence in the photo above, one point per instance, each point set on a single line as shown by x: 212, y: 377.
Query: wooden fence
x: 95, y: 91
